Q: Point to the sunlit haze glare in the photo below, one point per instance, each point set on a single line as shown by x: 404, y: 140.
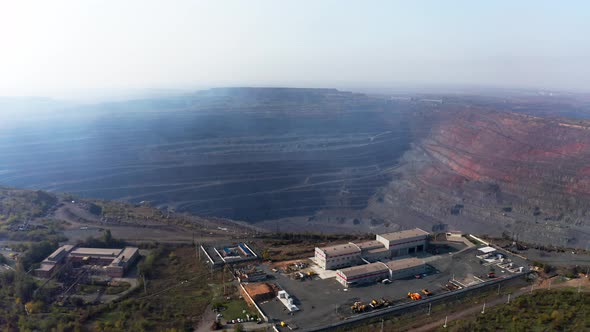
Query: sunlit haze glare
x: 66, y: 48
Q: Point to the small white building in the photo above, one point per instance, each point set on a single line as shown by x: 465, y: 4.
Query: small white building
x: 287, y: 300
x: 486, y: 250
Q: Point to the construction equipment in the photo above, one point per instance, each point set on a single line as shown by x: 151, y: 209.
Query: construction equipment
x: 358, y: 307
x: 491, y: 275
x: 311, y: 273
x: 283, y: 324
x: 426, y: 292
x: 385, y: 302
x: 414, y: 296
x: 375, y: 304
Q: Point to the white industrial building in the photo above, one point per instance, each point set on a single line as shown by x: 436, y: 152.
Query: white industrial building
x: 405, y: 242
x: 383, y: 248
x: 362, y: 274
x: 405, y: 267
x: 338, y: 256
x: 375, y: 272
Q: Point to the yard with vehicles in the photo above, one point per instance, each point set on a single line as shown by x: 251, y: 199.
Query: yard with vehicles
x: 325, y: 301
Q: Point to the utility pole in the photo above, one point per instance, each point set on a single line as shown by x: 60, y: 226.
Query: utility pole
x: 382, y: 324
x: 483, y: 311
x: 223, y: 278
x: 144, y: 284
x: 446, y: 318
x: 508, y: 298
x: 429, y: 307
x: 143, y: 277
x: 532, y: 286
x: 498, y: 289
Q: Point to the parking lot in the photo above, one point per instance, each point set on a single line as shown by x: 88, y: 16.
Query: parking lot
x: 326, y: 301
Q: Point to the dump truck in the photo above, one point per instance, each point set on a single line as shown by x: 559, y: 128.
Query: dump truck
x: 426, y: 292
x: 414, y: 296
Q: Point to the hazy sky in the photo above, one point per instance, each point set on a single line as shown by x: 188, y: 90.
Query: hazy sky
x: 62, y: 48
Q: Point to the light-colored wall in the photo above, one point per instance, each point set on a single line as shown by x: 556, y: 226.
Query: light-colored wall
x: 398, y: 274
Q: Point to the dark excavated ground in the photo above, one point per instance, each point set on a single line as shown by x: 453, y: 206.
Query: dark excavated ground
x: 251, y: 157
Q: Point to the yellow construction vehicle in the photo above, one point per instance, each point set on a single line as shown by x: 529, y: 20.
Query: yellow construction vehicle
x: 414, y: 296
x: 426, y: 292
x: 358, y: 307
x: 375, y: 304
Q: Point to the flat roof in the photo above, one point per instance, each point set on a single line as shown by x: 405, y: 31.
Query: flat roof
x: 341, y: 249
x: 404, y: 234
x: 59, y: 251
x: 96, y: 252
x: 360, y: 270
x: 128, y: 252
x: 486, y: 250
x: 45, y: 267
x: 405, y: 263
x: 368, y: 245
x: 124, y: 256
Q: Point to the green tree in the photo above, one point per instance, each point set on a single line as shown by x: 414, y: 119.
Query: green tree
x: 266, y: 254
x: 107, y: 237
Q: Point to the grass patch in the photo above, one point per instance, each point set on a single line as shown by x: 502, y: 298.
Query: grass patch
x: 557, y: 310
x: 90, y: 289
x: 111, y: 290
x: 235, y: 309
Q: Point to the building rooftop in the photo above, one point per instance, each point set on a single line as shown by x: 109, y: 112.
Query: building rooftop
x: 404, y: 234
x: 487, y: 249
x: 368, y: 245
x: 96, y: 252
x: 60, y: 252
x: 124, y: 256
x: 405, y: 263
x: 341, y: 249
x: 360, y: 270
x: 46, y: 267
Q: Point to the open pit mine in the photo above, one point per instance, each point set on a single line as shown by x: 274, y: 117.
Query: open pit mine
x: 510, y: 164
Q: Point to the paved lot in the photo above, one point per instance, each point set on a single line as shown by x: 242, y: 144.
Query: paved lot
x: 326, y: 301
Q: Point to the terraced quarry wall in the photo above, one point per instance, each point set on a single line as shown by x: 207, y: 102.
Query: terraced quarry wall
x: 336, y: 161
x: 501, y: 172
